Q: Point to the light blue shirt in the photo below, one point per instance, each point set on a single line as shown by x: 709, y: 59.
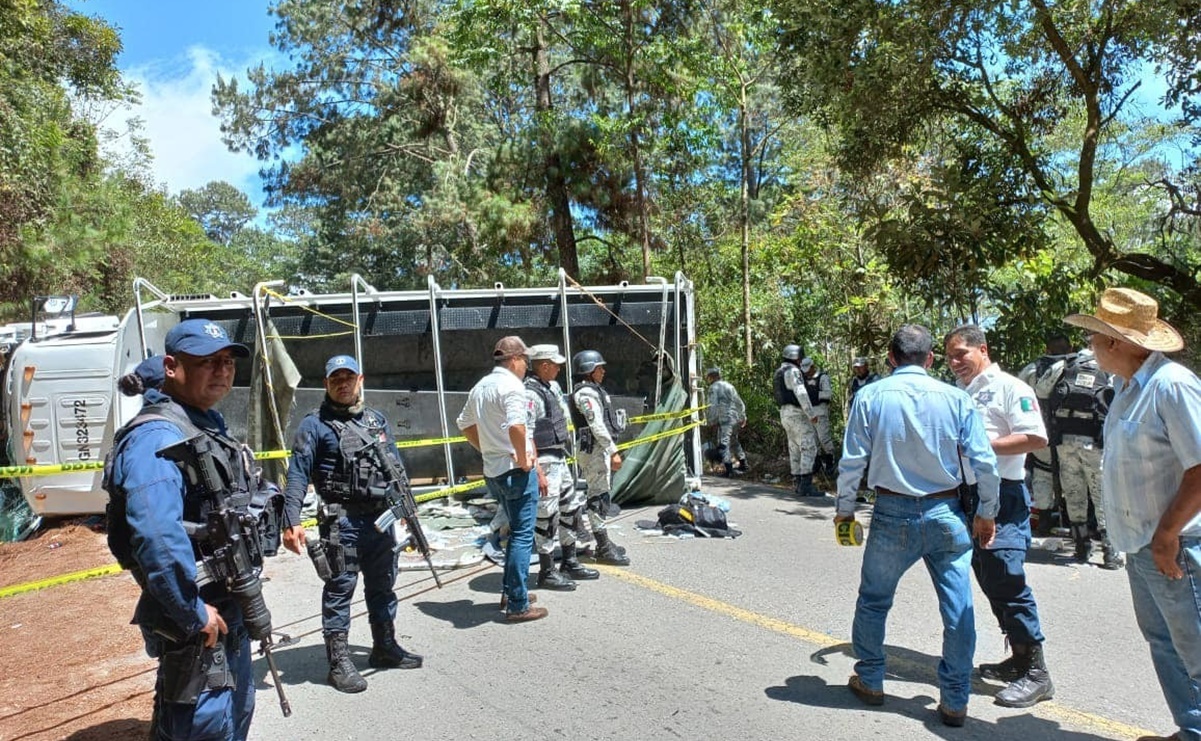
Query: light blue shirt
x: 494, y: 405
x: 906, y: 432
x: 1152, y: 436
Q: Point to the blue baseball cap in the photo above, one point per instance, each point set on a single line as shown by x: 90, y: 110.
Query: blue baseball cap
x: 150, y: 371
x: 341, y: 362
x: 201, y: 337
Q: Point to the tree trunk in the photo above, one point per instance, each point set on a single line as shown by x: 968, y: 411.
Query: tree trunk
x: 744, y: 131
x: 556, y: 183
x: 640, y: 198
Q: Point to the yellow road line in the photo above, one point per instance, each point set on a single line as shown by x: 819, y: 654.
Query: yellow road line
x: 54, y: 581
x: 1050, y: 710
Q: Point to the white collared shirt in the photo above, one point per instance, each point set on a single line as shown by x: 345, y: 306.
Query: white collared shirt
x: 495, y: 404
x: 1007, y: 406
x: 1152, y: 436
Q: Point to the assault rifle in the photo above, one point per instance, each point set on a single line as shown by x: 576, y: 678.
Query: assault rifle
x: 229, y: 542
x: 401, y: 504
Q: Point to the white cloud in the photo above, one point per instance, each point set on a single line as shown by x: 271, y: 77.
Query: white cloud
x: 184, y: 135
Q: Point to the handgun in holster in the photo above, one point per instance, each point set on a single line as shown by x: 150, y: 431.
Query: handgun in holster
x: 327, y: 553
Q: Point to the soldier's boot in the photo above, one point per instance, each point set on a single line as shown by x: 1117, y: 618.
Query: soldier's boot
x: 549, y: 577
x: 1111, y: 558
x: 1084, y: 544
x: 1007, y: 670
x: 607, y: 552
x: 727, y: 470
x: 742, y: 466
x: 1042, y: 526
x: 1034, y: 685
x: 386, y: 653
x: 799, y: 482
x: 572, y: 567
x: 828, y: 466
x: 342, y: 675
x: 807, y: 487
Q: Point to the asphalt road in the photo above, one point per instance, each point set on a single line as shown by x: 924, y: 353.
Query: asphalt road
x: 704, y: 639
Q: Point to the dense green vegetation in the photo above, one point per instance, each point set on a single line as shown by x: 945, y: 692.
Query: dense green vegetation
x: 822, y: 170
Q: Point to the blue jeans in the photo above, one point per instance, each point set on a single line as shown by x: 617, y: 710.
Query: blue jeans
x: 218, y: 715
x: 517, y: 492
x: 376, y: 561
x: 1169, y: 615
x: 904, y: 530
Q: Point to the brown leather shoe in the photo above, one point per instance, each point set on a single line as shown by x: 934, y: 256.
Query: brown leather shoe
x: 865, y: 694
x: 531, y: 613
x: 1173, y: 737
x: 953, y: 718
x: 504, y: 600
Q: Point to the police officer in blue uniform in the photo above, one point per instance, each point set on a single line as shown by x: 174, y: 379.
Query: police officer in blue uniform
x: 332, y: 449
x: 204, y: 688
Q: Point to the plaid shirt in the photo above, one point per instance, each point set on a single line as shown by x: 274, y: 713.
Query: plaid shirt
x: 1152, y: 436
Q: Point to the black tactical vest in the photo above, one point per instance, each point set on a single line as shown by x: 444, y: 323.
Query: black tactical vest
x: 550, y: 430
x: 813, y: 387
x: 235, y: 465
x: 1080, y: 400
x: 858, y: 383
x: 577, y: 418
x: 356, y: 477
x: 784, y: 396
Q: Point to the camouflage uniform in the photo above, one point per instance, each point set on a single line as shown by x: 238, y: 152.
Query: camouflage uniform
x: 597, y: 424
x: 818, y: 388
x: 1042, y: 480
x: 796, y: 416
x: 592, y: 403
x: 553, y: 462
x: 728, y: 412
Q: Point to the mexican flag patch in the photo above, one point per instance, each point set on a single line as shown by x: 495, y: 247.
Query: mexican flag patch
x: 1029, y: 404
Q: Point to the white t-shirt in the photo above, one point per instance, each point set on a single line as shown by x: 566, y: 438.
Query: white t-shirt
x: 1008, y: 407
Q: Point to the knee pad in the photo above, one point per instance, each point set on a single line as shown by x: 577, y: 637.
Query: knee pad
x: 599, y: 504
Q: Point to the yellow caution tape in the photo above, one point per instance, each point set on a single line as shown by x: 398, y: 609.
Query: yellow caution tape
x: 426, y: 497
x: 658, y: 436
x: 667, y: 415
x: 12, y: 472
x: 50, y: 469
x: 54, y: 581
x: 433, y: 441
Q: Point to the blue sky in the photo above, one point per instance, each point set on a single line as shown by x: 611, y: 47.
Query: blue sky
x: 173, y: 51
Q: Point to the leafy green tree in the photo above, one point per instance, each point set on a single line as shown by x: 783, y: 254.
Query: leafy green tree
x: 220, y: 208
x: 402, y: 171
x: 883, y: 73
x: 48, y: 55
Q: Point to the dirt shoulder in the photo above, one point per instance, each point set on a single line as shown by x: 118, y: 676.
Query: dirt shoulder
x: 71, y: 665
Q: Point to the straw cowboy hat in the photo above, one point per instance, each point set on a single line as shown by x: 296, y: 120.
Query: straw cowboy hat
x: 1131, y: 316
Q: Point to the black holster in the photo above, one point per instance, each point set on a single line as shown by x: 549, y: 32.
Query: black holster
x: 320, y: 559
x: 586, y: 440
x: 190, y: 669
x: 969, y: 499
x: 337, y: 557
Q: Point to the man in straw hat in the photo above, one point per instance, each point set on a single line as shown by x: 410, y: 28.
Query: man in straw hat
x: 1151, y: 485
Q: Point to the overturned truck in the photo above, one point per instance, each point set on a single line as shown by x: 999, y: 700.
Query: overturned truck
x: 420, y: 351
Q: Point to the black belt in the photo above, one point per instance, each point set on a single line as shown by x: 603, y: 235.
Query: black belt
x: 360, y: 509
x: 948, y: 494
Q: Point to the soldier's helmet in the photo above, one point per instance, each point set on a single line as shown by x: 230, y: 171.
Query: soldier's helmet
x: 792, y: 352
x: 585, y: 361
